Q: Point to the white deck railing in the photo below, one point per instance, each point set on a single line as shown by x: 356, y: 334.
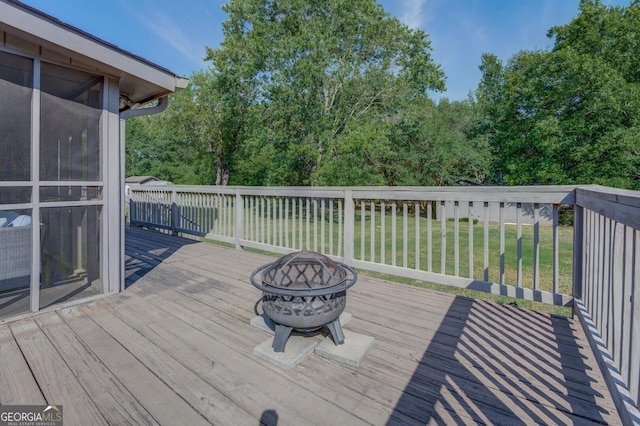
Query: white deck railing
x: 502, y: 240
x: 607, y: 265
x: 499, y: 240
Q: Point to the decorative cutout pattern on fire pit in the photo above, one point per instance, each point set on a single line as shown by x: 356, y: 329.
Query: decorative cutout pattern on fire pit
x: 304, y: 291
x: 288, y: 309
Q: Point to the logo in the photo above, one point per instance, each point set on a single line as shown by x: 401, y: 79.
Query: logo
x: 31, y: 415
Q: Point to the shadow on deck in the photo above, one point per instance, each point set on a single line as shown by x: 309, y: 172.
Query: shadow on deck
x: 142, y: 254
x: 177, y: 348
x: 483, y: 363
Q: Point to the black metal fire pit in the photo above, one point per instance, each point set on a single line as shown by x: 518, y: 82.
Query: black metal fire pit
x: 304, y: 291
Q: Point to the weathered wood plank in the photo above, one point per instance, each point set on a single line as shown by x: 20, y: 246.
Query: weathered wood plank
x: 410, y: 318
x: 151, y: 391
x: 405, y: 220
x: 179, y: 343
x: 456, y: 239
x: 621, y: 209
x: 445, y: 342
x: 168, y: 338
x: 112, y: 398
x: 502, y: 243
x: 235, y: 336
x: 18, y: 384
x: 256, y: 389
x: 470, y: 234
x: 57, y: 382
x: 232, y: 334
x: 399, y: 287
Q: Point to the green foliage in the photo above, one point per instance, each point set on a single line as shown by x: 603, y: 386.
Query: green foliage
x: 570, y: 115
x: 359, y: 156
x: 436, y: 144
x: 312, y: 93
x: 327, y: 78
x: 154, y: 150
x: 607, y: 33
x: 335, y: 93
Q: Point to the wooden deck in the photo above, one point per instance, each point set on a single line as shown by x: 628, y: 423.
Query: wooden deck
x: 176, y: 348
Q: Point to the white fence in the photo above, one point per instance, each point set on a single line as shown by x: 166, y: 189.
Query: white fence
x: 463, y: 237
x: 607, y: 265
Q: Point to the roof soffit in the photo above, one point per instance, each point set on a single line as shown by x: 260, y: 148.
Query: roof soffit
x: 30, y: 30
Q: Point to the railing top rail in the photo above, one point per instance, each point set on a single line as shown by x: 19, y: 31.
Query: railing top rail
x: 320, y: 192
x: 620, y: 205
x: 620, y: 196
x: 507, y: 194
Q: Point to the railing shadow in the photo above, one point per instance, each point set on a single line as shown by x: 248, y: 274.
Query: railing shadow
x: 144, y: 250
x: 493, y: 364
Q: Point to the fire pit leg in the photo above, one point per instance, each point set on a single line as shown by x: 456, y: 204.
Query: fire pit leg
x: 280, y: 338
x: 336, y: 331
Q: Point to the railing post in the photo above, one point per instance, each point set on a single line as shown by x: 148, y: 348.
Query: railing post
x: 578, y: 255
x: 239, y: 215
x: 349, y: 226
x: 175, y: 212
x: 133, y: 210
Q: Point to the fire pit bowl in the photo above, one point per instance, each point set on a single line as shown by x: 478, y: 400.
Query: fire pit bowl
x: 304, y: 291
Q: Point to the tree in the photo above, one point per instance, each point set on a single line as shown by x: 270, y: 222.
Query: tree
x: 570, y: 115
x: 155, y: 149
x: 313, y: 93
x: 436, y: 144
x: 607, y: 33
x: 212, y: 113
x: 320, y: 79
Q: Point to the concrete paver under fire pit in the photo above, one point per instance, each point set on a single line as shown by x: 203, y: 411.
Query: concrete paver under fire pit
x: 351, y: 352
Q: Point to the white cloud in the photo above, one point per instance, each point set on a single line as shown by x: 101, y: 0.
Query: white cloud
x: 480, y: 33
x: 159, y: 22
x: 166, y: 29
x: 412, y: 13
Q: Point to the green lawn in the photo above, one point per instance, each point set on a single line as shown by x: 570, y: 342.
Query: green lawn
x: 319, y: 228
x: 565, y: 240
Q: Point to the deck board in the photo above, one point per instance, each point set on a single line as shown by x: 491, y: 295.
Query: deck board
x: 176, y: 347
x: 18, y: 384
x: 163, y: 404
x: 112, y: 399
x: 53, y: 375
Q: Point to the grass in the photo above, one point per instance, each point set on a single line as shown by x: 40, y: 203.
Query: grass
x: 446, y: 247
x: 474, y: 294
x: 318, y: 236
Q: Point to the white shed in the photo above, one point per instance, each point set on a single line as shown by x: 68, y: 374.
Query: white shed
x: 64, y: 99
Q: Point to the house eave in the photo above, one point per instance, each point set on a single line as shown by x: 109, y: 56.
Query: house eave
x: 25, y: 28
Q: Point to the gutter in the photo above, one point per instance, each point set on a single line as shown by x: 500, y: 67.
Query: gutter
x: 163, y: 102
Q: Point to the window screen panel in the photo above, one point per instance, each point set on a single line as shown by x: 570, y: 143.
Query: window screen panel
x: 16, y: 79
x: 70, y: 125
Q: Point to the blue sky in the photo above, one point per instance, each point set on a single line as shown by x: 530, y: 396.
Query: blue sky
x: 173, y: 33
